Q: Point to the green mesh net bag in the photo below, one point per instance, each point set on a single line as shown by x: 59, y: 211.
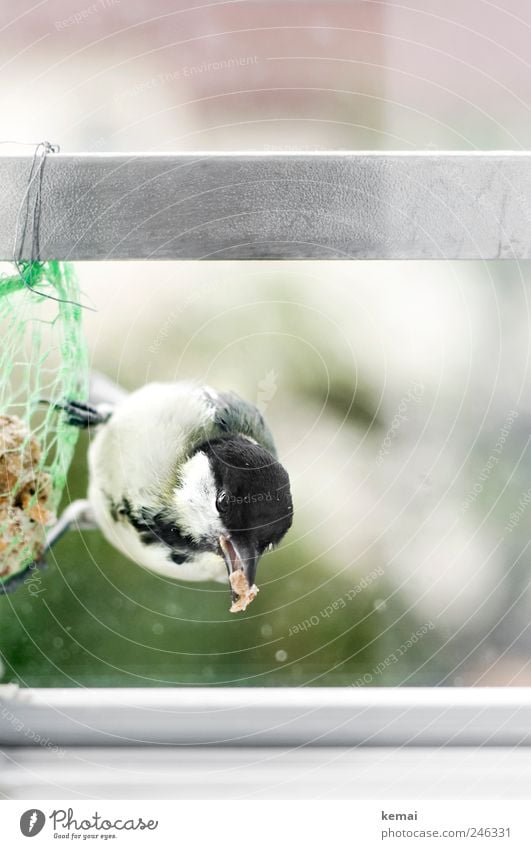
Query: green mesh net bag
x: 43, y: 362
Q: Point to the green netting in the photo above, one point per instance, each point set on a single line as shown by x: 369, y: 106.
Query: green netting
x: 43, y: 362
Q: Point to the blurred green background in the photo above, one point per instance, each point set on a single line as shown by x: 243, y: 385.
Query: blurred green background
x: 386, y: 402
x: 95, y: 619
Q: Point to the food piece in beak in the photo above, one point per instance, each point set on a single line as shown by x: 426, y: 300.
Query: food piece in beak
x: 241, y: 562
x: 244, y: 593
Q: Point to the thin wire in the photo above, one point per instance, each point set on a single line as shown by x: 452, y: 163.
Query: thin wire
x: 42, y: 149
x: 54, y: 148
x: 25, y: 201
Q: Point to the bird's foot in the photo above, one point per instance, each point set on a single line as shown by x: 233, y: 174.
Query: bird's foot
x: 81, y: 415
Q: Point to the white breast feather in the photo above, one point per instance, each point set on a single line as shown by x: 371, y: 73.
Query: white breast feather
x: 195, y: 500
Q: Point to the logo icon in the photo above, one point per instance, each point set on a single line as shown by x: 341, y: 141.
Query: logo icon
x: 32, y: 822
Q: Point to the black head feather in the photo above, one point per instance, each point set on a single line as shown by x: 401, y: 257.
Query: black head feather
x: 254, y: 497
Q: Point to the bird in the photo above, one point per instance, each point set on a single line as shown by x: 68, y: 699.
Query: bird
x: 184, y: 480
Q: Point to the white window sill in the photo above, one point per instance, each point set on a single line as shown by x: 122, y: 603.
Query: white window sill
x: 259, y: 773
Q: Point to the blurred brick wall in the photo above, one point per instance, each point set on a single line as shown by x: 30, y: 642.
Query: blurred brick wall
x: 113, y: 74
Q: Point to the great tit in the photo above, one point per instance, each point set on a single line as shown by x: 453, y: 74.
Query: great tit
x: 183, y: 480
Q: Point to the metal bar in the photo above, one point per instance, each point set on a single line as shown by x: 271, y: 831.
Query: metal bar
x: 270, y: 206
x: 266, y: 717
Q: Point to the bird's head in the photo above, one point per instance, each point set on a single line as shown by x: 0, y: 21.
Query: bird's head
x: 234, y: 499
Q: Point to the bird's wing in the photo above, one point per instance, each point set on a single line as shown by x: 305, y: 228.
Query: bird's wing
x: 234, y: 415
x: 102, y: 390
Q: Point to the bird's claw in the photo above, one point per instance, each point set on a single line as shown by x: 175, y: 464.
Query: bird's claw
x: 81, y: 415
x: 78, y: 414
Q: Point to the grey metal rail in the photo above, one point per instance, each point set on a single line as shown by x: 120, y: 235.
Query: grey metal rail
x: 215, y: 206
x: 384, y: 716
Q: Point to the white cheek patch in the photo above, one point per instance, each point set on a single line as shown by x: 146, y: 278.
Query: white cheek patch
x: 195, y: 500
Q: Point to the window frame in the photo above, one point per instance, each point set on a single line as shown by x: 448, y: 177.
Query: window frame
x: 335, y: 205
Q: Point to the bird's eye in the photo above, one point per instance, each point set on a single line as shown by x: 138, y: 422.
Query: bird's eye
x: 222, y: 502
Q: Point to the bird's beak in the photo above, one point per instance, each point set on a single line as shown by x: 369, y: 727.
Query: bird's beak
x: 240, y: 554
